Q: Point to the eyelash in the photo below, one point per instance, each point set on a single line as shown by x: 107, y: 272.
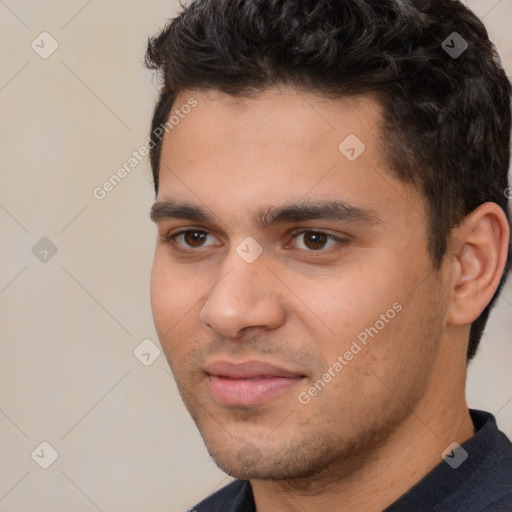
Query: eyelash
x: 171, y: 240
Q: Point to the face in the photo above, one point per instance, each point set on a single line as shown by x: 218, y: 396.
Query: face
x: 292, y: 289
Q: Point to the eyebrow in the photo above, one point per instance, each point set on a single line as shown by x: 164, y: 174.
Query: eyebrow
x: 273, y: 215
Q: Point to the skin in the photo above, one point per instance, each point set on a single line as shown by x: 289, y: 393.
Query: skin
x: 382, y: 422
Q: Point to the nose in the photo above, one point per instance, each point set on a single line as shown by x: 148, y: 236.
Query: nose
x: 247, y: 297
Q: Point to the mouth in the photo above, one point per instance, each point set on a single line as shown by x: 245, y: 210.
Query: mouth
x: 249, y: 383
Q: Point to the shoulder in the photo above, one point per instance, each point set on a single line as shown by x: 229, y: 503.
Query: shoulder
x: 487, y: 480
x: 480, y: 482
x: 503, y: 504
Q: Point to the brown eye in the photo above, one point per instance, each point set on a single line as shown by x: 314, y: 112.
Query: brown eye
x: 315, y: 241
x: 191, y: 239
x: 194, y: 238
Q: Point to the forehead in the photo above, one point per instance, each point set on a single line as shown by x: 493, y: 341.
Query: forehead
x: 282, y: 145
x: 281, y: 115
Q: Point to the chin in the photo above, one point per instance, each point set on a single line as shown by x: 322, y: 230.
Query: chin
x: 288, y: 461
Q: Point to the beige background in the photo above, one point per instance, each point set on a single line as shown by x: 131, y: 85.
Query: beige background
x: 68, y: 375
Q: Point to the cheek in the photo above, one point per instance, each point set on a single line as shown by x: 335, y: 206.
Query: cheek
x: 374, y: 325
x: 175, y: 305
x: 161, y: 299
x: 351, y: 302
x: 398, y: 360
x: 169, y: 297
x: 173, y: 291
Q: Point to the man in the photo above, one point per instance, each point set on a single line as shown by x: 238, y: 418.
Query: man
x: 331, y: 180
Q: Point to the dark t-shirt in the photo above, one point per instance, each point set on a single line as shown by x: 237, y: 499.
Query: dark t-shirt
x: 481, y: 483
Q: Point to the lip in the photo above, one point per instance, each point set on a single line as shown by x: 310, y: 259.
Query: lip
x: 249, y: 383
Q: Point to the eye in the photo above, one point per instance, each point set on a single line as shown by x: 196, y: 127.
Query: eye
x: 315, y: 240
x: 190, y: 239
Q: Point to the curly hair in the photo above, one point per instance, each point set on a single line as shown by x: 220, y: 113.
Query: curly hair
x: 446, y: 118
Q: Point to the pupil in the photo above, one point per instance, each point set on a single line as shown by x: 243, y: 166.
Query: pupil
x: 315, y: 240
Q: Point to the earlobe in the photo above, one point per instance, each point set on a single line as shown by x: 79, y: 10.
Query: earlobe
x: 482, y: 240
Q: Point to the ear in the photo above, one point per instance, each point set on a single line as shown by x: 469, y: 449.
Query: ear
x: 478, y: 249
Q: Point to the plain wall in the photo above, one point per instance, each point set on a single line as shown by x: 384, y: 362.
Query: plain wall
x: 69, y: 325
